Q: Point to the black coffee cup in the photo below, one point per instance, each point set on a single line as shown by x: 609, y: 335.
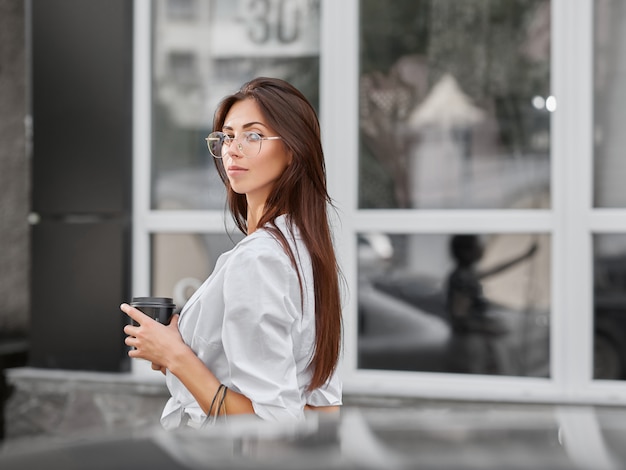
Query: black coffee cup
x: 160, y: 309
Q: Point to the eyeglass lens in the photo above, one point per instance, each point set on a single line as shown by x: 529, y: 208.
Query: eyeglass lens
x: 249, y: 143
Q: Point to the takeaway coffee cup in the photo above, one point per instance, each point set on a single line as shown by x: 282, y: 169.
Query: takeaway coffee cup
x: 159, y: 308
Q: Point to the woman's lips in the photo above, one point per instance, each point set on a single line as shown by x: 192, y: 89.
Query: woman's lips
x: 235, y: 170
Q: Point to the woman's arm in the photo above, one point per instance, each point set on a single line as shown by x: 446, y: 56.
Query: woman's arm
x: 324, y: 409
x: 202, y: 384
x: 164, y: 347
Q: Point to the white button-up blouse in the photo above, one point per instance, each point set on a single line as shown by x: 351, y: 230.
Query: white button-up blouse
x: 248, y: 325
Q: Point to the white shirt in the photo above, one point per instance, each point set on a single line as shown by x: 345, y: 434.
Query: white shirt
x: 248, y: 325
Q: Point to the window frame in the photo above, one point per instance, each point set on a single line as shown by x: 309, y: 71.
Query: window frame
x: 571, y: 221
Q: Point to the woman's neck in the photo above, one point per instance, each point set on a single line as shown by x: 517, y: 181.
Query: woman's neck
x: 255, y: 211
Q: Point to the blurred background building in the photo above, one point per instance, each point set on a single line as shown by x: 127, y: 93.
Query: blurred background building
x: 474, y: 150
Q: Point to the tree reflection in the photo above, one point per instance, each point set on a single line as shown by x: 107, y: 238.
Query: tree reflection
x: 499, y: 55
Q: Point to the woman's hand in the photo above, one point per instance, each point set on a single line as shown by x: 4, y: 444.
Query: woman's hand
x: 151, y: 340
x: 164, y: 347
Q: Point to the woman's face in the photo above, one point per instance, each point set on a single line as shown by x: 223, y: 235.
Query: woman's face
x: 254, y: 175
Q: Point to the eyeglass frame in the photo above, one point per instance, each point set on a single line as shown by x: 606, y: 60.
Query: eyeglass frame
x: 230, y: 141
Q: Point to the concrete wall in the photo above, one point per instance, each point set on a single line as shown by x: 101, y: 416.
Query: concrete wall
x: 62, y: 403
x: 14, y: 173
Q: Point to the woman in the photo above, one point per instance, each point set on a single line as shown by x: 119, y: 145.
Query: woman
x: 262, y: 335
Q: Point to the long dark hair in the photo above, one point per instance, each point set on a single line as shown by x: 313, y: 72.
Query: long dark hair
x: 301, y: 193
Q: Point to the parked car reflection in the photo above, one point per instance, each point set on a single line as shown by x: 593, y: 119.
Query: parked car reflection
x: 610, y: 317
x: 405, y: 324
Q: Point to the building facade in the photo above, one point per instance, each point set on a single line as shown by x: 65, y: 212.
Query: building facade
x: 475, y: 156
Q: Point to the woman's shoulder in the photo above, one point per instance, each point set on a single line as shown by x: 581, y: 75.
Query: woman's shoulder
x: 266, y: 238
x: 261, y: 240
x: 261, y: 245
x: 265, y: 244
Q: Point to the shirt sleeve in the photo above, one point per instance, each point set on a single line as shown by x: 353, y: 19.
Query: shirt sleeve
x: 262, y: 303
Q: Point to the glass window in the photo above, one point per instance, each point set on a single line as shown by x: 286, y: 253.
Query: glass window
x: 182, y: 261
x: 609, y: 103
x: 454, y: 113
x: 182, y: 10
x: 609, y: 306
x: 197, y: 63
x: 463, y: 303
x: 455, y: 104
x: 183, y: 69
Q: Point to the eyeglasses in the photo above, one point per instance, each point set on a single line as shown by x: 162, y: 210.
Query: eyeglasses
x: 248, y: 143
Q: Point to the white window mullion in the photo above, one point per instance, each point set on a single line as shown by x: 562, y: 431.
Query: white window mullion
x: 142, y: 79
x: 189, y: 221
x: 449, y: 221
x: 339, y: 53
x: 607, y: 221
x: 572, y: 152
x: 142, y: 112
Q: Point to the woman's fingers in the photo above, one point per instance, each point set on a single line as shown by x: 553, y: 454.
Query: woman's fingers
x: 174, y: 321
x: 134, y: 313
x: 149, y: 339
x: 158, y: 367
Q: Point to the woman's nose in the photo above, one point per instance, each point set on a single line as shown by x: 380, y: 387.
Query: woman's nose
x: 235, y: 149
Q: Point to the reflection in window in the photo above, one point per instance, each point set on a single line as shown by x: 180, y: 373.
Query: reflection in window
x: 182, y: 261
x: 455, y: 104
x: 182, y: 10
x: 197, y: 63
x: 609, y: 103
x: 183, y: 68
x: 464, y: 303
x: 609, y: 306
